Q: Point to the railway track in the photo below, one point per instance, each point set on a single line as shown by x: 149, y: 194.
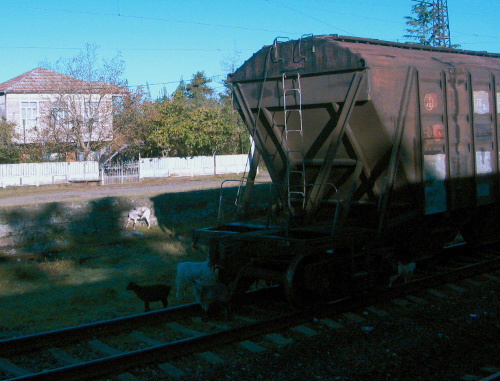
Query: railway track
x: 158, y: 338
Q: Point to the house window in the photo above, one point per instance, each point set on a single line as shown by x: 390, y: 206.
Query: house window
x: 62, y: 121
x: 92, y: 113
x: 60, y: 115
x: 29, y: 114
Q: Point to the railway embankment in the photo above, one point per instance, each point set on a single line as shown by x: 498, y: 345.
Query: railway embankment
x: 41, y: 220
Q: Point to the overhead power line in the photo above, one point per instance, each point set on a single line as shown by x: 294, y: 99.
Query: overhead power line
x: 148, y: 18
x: 129, y: 49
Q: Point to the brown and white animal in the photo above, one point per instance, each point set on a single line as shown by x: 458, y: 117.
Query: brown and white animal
x: 214, y: 298
x: 190, y: 272
x: 153, y: 293
x: 142, y: 213
x: 405, y: 271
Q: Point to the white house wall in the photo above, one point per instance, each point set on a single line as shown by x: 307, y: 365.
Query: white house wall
x: 44, y: 105
x: 13, y: 114
x: 2, y: 106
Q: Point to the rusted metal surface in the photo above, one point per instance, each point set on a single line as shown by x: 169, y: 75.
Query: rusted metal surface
x: 380, y: 153
x: 421, y: 138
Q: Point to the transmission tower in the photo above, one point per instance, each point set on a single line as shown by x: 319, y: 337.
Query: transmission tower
x: 440, y: 24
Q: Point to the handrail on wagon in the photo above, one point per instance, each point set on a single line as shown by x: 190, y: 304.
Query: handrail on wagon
x: 220, y: 212
x: 339, y: 203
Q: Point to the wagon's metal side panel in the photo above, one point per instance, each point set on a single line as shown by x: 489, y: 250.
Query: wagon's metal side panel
x: 391, y: 112
x: 434, y: 137
x: 422, y: 120
x: 268, y: 93
x: 496, y: 92
x: 260, y: 103
x: 485, y: 142
x: 318, y: 55
x: 459, y: 132
x: 447, y: 135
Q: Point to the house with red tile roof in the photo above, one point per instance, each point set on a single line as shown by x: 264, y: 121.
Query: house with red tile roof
x: 47, y: 107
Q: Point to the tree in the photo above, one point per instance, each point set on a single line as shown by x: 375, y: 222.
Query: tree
x: 87, y: 66
x: 430, y: 24
x: 193, y: 121
x: 167, y: 132
x: 78, y: 111
x: 198, y: 90
x: 181, y: 93
x: 420, y: 26
x: 241, y: 135
x: 9, y: 152
x: 134, y: 114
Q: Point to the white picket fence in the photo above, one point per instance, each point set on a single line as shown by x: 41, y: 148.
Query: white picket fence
x: 64, y: 172
x: 192, y: 166
x: 48, y: 173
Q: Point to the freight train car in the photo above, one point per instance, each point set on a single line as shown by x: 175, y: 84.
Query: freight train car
x: 378, y: 153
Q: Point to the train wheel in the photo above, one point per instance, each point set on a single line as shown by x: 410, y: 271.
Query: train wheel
x: 308, y: 280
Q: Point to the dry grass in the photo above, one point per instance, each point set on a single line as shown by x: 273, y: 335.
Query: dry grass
x: 86, y: 283
x: 36, y: 297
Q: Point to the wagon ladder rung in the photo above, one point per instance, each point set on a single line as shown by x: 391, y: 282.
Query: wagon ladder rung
x: 291, y: 91
x: 298, y: 187
x: 293, y: 110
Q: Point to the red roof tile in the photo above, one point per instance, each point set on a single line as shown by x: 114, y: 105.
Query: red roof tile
x: 42, y: 80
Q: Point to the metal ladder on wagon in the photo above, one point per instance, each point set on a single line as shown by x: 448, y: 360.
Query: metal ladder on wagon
x: 293, y: 134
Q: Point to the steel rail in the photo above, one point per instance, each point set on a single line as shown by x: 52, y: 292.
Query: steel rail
x: 169, y: 351
x: 389, y: 293
x: 44, y: 339
x: 56, y: 337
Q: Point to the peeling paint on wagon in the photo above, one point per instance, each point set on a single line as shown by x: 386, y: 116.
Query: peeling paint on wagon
x: 422, y: 127
x: 391, y: 150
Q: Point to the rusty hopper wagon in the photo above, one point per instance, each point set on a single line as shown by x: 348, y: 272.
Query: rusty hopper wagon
x: 379, y: 152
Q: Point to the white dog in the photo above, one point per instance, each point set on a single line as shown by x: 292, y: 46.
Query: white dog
x: 139, y: 214
x: 405, y: 271
x: 188, y: 273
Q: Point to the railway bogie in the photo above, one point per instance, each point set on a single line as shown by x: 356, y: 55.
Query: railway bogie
x: 378, y: 152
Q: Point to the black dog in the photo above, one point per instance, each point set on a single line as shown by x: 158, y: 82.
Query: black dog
x: 154, y: 293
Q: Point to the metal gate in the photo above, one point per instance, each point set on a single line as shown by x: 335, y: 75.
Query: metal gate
x: 120, y: 173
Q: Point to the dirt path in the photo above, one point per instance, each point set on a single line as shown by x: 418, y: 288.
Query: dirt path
x: 150, y: 187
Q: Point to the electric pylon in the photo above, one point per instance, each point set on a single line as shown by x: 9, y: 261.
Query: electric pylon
x: 441, y: 26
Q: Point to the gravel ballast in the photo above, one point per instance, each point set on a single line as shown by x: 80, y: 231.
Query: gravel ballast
x: 455, y: 337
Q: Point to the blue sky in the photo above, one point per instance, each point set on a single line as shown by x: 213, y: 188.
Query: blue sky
x: 164, y: 41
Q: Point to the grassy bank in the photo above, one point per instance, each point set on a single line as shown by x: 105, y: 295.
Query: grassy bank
x: 82, y: 286
x: 85, y: 281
